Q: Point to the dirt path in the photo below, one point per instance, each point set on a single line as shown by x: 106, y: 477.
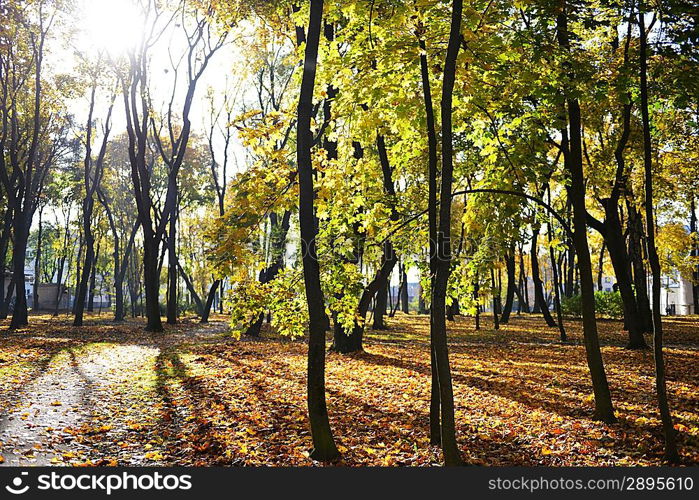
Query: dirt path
x: 32, y: 434
x: 86, y: 388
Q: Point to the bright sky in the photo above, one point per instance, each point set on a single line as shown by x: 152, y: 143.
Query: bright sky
x: 112, y: 27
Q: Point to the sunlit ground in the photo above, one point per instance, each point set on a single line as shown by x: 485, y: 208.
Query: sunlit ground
x: 197, y: 396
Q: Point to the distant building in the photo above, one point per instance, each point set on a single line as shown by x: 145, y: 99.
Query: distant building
x: 50, y: 295
x: 676, y: 296
x: 7, y: 279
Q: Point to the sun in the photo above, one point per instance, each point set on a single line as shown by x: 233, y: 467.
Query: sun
x: 112, y: 25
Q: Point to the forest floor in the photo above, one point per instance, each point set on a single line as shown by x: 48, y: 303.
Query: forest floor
x: 112, y: 394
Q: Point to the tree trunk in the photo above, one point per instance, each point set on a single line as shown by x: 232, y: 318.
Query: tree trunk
x: 695, y: 254
x: 556, y: 287
x: 438, y: 327
x: 617, y: 253
x: 209, y: 301
x: 476, y: 293
x: 172, y: 270
x: 404, y: 299
x: 380, y: 307
x: 604, y: 409
x: 324, y: 448
x: 93, y: 282
x: 600, y: 266
x: 538, y: 285
x: 511, y: 286
x: 523, y: 281
x: 496, y: 324
x: 639, y: 269
x: 570, y: 272
x: 151, y: 283
x: 671, y: 453
x: 37, y: 264
x: 4, y: 241
x: 19, y: 255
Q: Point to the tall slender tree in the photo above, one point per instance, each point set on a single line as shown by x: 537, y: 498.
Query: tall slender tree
x: 323, y: 442
x: 671, y: 453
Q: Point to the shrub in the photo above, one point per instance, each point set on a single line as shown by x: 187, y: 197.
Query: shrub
x: 607, y: 304
x: 572, y: 306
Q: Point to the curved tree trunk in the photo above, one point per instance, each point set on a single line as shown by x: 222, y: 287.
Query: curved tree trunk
x: 604, y: 409
x: 438, y: 327
x: 323, y: 442
x: 639, y: 269
x: 671, y: 453
x: 617, y: 253
x: 539, y: 298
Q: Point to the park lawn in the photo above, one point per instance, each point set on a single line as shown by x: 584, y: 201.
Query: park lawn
x: 196, y: 396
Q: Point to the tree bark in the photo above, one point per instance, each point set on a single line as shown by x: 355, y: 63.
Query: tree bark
x: 695, y: 254
x: 380, y: 307
x: 640, y: 282
x: 19, y: 255
x: 438, y: 327
x: 324, y: 448
x: 604, y: 409
x: 538, y: 285
x: 404, y: 298
x: 93, y: 282
x: 172, y: 268
x: 600, y: 267
x: 37, y: 263
x: 435, y: 391
x: 496, y: 299
x: 4, y: 242
x: 511, y: 286
x: 671, y: 453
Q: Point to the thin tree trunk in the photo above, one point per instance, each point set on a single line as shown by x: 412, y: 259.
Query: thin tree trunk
x: 37, y: 263
x: 671, y: 453
x: 443, y: 256
x: 324, y: 448
x: 404, y: 300
x: 556, y: 288
x: 695, y: 254
x: 496, y: 324
x: 476, y: 298
x: 93, y: 282
x: 538, y: 285
x: 172, y: 269
x: 511, y: 286
x: 600, y: 266
x: 523, y: 281
x: 604, y: 409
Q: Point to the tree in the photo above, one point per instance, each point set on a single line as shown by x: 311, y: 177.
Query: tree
x: 442, y: 256
x: 202, y: 43
x: 33, y: 131
x: 92, y: 179
x: 660, y: 386
x: 323, y: 443
x: 572, y: 153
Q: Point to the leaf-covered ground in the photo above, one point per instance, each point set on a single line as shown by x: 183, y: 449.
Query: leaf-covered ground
x: 114, y: 395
